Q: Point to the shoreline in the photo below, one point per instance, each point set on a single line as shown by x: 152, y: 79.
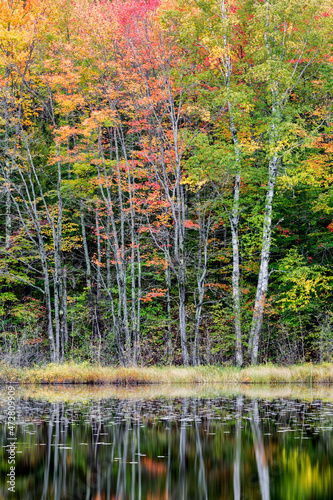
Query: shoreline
x: 83, y: 393
x: 96, y: 375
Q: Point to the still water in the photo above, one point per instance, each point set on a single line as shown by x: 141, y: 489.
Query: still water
x: 169, y: 444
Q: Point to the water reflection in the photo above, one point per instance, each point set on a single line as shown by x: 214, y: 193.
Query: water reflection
x: 171, y: 449
x: 259, y: 449
x: 237, y: 462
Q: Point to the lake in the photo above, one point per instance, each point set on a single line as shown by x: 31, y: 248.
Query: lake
x: 167, y: 443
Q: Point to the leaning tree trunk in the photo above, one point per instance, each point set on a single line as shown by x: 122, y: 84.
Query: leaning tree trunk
x: 258, y: 311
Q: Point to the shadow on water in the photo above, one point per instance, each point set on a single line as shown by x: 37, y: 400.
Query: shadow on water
x: 220, y: 443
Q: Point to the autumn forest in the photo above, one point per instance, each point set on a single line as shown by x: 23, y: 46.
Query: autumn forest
x: 166, y: 181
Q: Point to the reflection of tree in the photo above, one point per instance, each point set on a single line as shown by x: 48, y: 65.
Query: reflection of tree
x: 237, y: 482
x: 56, y: 468
x: 48, y: 462
x: 182, y: 452
x: 260, y: 453
x: 202, y: 475
x: 203, y: 459
x: 123, y: 449
x: 168, y: 479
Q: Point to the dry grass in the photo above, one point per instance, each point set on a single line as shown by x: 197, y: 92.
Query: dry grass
x: 83, y: 393
x: 272, y: 374
x: 84, y: 373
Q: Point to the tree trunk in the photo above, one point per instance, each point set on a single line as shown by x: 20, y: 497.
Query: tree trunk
x: 262, y: 286
x: 234, y: 219
x: 56, y: 313
x: 49, y: 311
x: 274, y: 137
x: 226, y: 69
x: 64, y: 305
x: 168, y: 305
x: 8, y: 219
x: 138, y: 302
x: 182, y: 321
x: 198, y: 310
x: 98, y: 290
x: 85, y: 248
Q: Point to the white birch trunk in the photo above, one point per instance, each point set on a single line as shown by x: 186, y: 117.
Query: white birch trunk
x: 259, y: 305
x: 204, y: 221
x: 263, y: 277
x: 138, y: 309
x: 234, y: 219
x: 226, y: 70
x: 168, y: 309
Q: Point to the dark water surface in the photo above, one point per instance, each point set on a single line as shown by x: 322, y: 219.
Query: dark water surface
x: 169, y: 444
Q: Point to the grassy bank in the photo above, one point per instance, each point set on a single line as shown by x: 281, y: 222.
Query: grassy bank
x: 83, y: 373
x: 83, y: 393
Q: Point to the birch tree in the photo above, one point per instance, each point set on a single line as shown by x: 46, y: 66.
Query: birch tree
x: 288, y: 46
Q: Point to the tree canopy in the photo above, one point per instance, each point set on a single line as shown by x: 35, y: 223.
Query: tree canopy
x: 166, y: 181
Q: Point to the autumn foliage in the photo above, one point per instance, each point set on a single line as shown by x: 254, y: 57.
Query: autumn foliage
x: 166, y: 173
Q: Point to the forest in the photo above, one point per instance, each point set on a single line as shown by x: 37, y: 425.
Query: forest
x: 166, y: 182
